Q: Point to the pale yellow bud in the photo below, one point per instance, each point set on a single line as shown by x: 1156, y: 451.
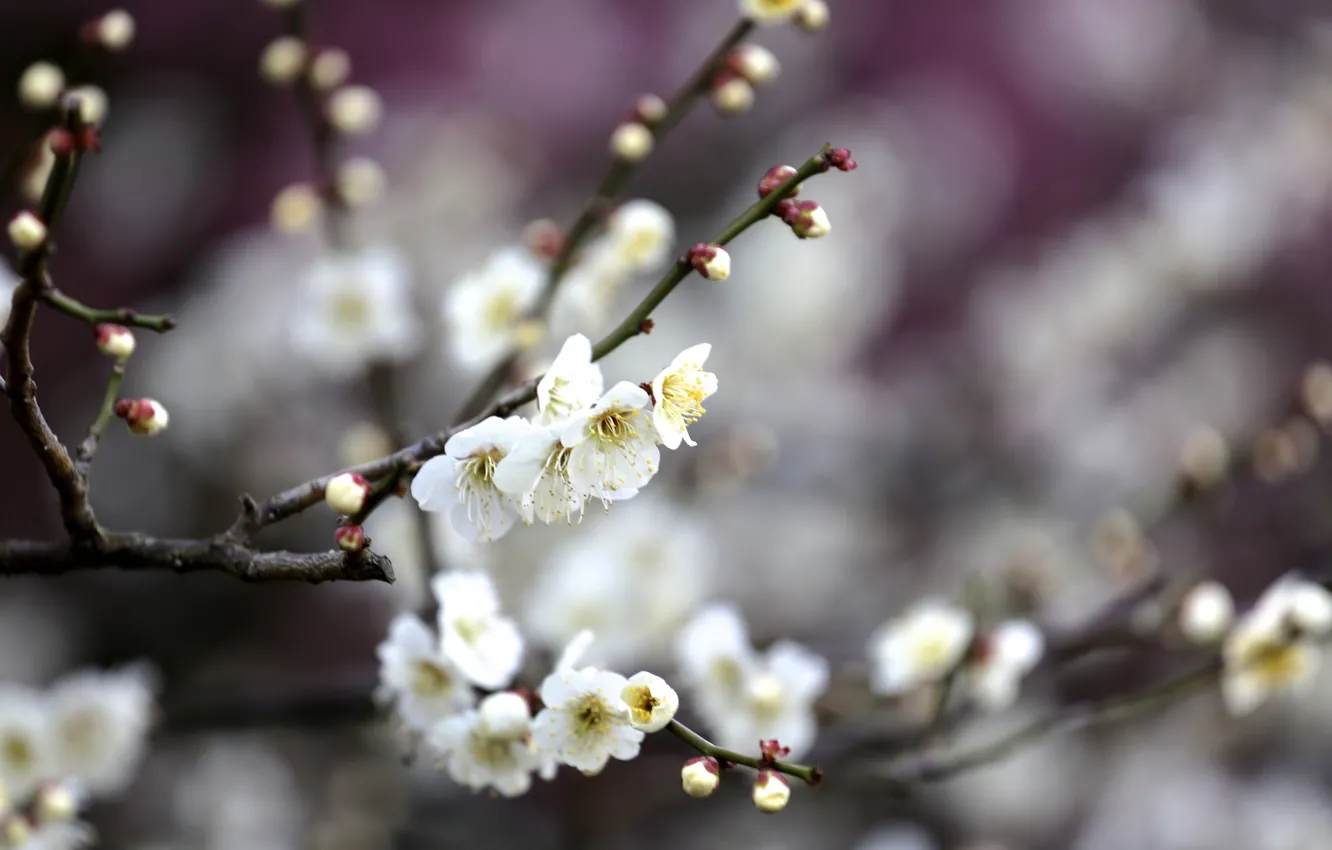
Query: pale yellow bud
x: 296, y: 208
x: 27, y: 231
x: 813, y: 17
x: 40, y: 85
x: 631, y: 142
x: 115, y: 30
x: 360, y: 181
x: 733, y: 97
x: 93, y: 104
x: 354, y: 110
x: 283, y: 60
x: 330, y: 68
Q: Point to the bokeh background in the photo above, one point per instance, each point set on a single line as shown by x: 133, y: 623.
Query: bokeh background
x: 1080, y: 230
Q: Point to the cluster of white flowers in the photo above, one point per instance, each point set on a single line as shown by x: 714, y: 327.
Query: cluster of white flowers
x: 589, y: 716
x: 745, y: 696
x: 586, y: 444
x: 935, y: 640
x: 85, y: 735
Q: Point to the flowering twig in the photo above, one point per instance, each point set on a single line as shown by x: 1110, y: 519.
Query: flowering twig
x: 807, y: 773
x: 105, y: 414
x: 614, y: 181
x: 62, y: 303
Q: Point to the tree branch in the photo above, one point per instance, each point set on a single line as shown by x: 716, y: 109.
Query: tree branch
x: 810, y: 774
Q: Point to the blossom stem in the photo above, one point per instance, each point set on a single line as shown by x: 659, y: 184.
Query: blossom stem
x: 809, y: 774
x: 610, y: 187
x: 61, y: 302
x: 105, y: 413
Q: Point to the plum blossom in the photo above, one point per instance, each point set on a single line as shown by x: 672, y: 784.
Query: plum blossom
x: 999, y: 660
x: 678, y: 393
x: 1274, y: 647
x: 922, y: 646
x: 572, y: 382
x: 536, y: 472
x: 481, y: 642
x: 614, y: 444
x: 639, y: 234
x: 651, y: 701
x: 585, y: 722
x: 479, y: 753
x: 484, y: 307
x: 25, y: 754
x: 423, y: 684
x: 464, y: 477
x: 99, y: 726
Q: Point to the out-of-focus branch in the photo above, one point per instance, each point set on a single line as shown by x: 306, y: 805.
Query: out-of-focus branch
x: 614, y: 181
x: 809, y: 774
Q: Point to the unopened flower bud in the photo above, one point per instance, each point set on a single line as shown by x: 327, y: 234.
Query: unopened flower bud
x: 114, y: 340
x: 1204, y: 458
x: 1316, y: 392
x: 631, y: 142
x: 711, y: 261
x: 354, y: 110
x: 840, y: 158
x: 144, y: 416
x: 56, y: 802
x: 776, y: 176
x: 283, y: 60
x: 758, y: 65
x: 732, y: 95
x: 1206, y: 612
x: 649, y: 109
x: 346, y: 493
x: 700, y: 776
x: 505, y: 714
x: 14, y: 830
x: 296, y: 208
x: 330, y: 68
x: 808, y: 220
x: 40, y: 85
x: 771, y: 791
x: 27, y: 231
x: 92, y: 103
x: 544, y: 238
x: 350, y: 538
x: 360, y: 181
x: 813, y: 16
x: 113, y: 31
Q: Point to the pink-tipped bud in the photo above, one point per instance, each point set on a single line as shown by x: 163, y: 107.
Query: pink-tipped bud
x: 114, y: 340
x: 711, y: 261
x: 350, y: 538
x: 807, y: 219
x: 840, y: 158
x: 648, y: 109
x: 144, y: 416
x: 700, y: 776
x: 757, y: 65
x: 112, y: 32
x: 732, y: 94
x: 346, y: 493
x: 544, y: 238
x: 771, y: 792
x: 776, y: 176
x: 27, y: 231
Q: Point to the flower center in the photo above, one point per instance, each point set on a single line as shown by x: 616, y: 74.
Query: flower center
x: 726, y: 673
x: 591, y: 716
x: 614, y: 427
x: 641, y: 702
x: 500, y: 310
x: 767, y: 694
x: 476, y: 484
x: 470, y: 628
x: 81, y: 730
x: 640, y: 245
x: 429, y: 679
x: 1275, y: 663
x: 933, y: 650
x: 682, y: 395
x: 494, y: 752
x: 17, y: 753
x: 350, y: 309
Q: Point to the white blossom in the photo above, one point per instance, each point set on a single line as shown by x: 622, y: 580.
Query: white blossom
x: 413, y: 671
x: 25, y: 736
x: 483, y: 307
x: 585, y: 723
x: 484, y: 644
x: 464, y: 477
x: 1003, y: 656
x: 536, y: 473
x: 477, y: 755
x: 614, y: 444
x: 678, y: 392
x: 652, y: 703
x: 99, y: 726
x: 354, y: 309
x: 572, y: 382
x: 776, y: 700
x: 506, y: 714
x: 920, y: 647
x: 715, y: 657
x: 640, y: 234
x: 1270, y: 649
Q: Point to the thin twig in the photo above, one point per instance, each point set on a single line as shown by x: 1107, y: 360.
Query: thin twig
x: 809, y: 774
x: 61, y: 302
x: 105, y: 414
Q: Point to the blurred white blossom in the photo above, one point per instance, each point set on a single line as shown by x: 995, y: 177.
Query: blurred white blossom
x: 99, y: 726
x: 483, y: 307
x: 479, y: 756
x: 477, y: 638
x: 920, y: 647
x: 423, y: 684
x: 25, y: 735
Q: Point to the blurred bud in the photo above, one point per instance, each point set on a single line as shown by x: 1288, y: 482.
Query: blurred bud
x: 360, y: 181
x: 56, y: 802
x: 700, y: 776
x: 92, y: 103
x: 330, y: 68
x: 113, y: 31
x: 362, y: 443
x: 1275, y: 455
x: 14, y: 830
x: 840, y: 158
x: 758, y: 65
x: 144, y: 416
x: 27, y: 231
x: 807, y: 219
x: 1316, y: 392
x: 1303, y: 437
x: 1117, y: 539
x: 631, y: 142
x: 1205, y: 458
x: 1206, y: 612
x: 354, y: 110
x: 40, y: 85
x: 771, y: 791
x: 350, y: 538
x: 813, y: 16
x: 505, y: 714
x: 649, y: 109
x: 711, y: 261
x: 114, y: 340
x: 296, y: 208
x: 282, y: 61
x: 346, y: 493
x: 776, y: 176
x: 732, y: 95
x: 544, y: 238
